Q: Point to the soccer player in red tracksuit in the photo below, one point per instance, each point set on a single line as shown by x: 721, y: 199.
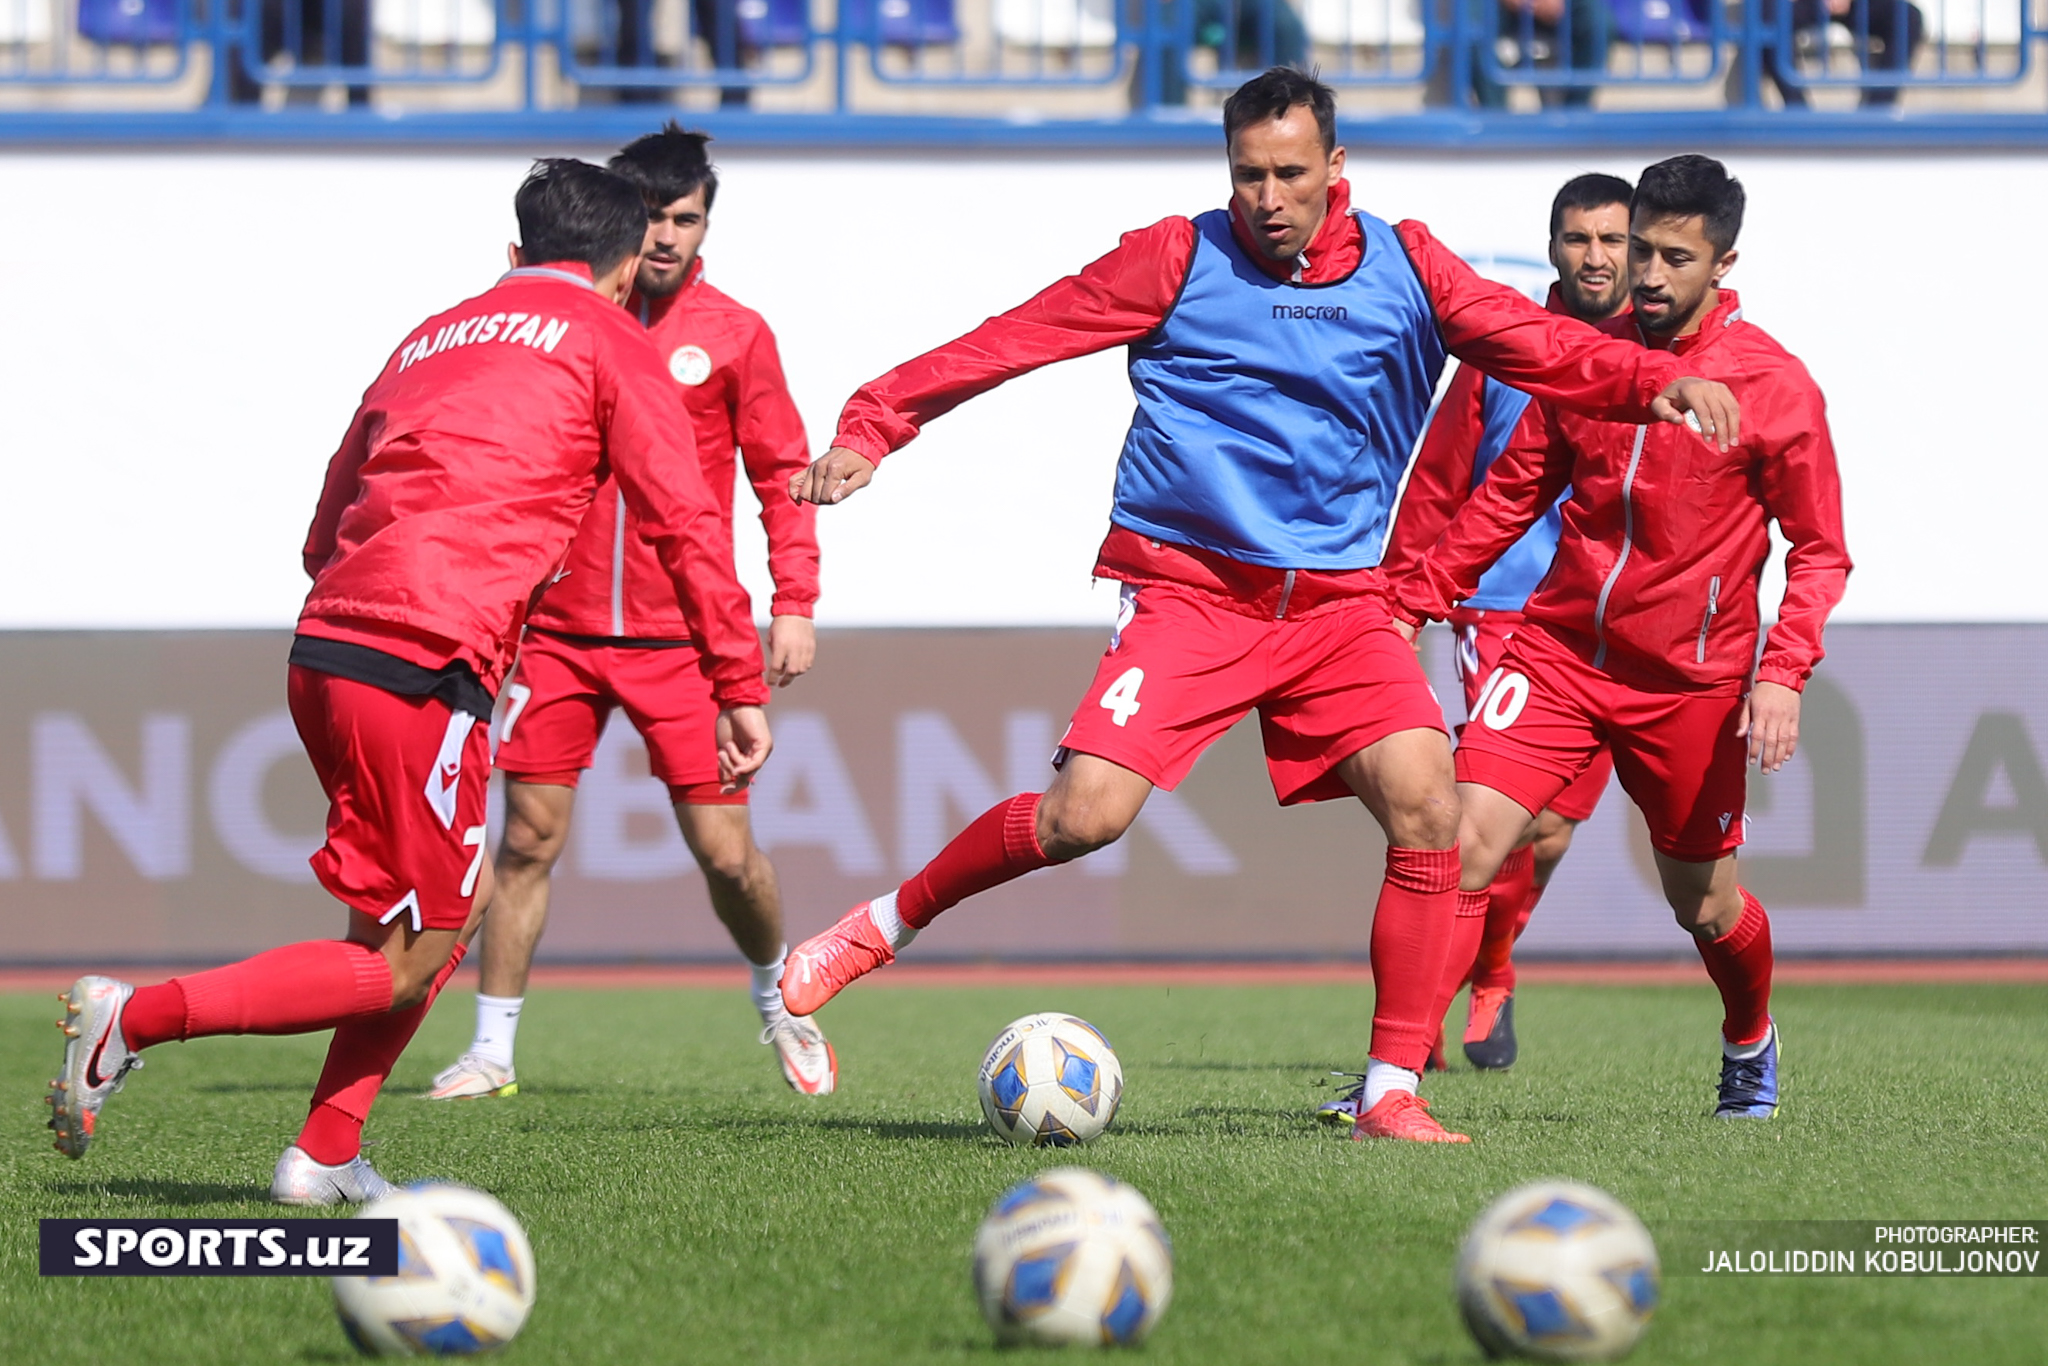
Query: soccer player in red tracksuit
x: 1643, y: 636
x: 609, y: 632
x: 450, y: 501
x: 1283, y: 353
x: 1471, y: 427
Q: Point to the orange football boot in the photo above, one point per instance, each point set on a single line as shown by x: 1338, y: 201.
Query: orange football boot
x: 1402, y: 1114
x: 826, y: 964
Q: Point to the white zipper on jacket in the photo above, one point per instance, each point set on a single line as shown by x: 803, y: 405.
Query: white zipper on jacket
x: 1628, y: 539
x: 1713, y: 610
x: 1286, y: 593
x: 619, y: 569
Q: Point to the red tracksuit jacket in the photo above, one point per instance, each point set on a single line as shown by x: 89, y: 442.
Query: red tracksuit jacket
x: 721, y: 358
x: 1665, y: 535
x: 1125, y: 295
x: 473, y: 458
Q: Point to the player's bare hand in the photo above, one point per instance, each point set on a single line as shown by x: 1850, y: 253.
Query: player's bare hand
x: 743, y: 746
x: 1705, y: 405
x: 831, y: 477
x: 1770, y: 722
x: 792, y: 649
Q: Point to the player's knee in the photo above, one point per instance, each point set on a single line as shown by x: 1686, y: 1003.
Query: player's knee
x: 1553, y: 839
x: 728, y: 860
x: 1081, y: 826
x: 410, y: 983
x: 530, y: 847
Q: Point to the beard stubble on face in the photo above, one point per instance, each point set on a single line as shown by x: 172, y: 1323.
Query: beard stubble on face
x: 1590, y: 306
x: 660, y: 283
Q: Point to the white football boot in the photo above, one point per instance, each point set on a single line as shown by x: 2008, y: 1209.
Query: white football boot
x: 97, y: 1059
x: 471, y: 1077
x: 808, y: 1063
x: 299, y: 1180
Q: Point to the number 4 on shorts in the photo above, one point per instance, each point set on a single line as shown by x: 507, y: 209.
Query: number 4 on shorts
x: 1121, y: 701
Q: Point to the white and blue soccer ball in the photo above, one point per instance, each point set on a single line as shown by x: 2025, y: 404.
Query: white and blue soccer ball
x: 1050, y: 1081
x: 1073, y: 1258
x: 465, y: 1277
x: 1558, y: 1271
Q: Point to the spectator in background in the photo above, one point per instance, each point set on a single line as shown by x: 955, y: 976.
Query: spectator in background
x: 716, y: 22
x: 345, y: 22
x: 1236, y: 30
x: 1888, y: 35
x: 1542, y: 31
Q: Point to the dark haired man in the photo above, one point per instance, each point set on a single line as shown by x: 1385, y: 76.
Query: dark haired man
x: 610, y: 633
x: 1642, y: 638
x: 1283, y: 353
x: 1471, y: 426
x: 455, y: 491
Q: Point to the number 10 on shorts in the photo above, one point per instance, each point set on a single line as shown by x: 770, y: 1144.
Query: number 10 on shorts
x: 1499, y: 702
x: 1121, y: 701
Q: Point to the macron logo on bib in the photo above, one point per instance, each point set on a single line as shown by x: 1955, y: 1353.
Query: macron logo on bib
x: 1317, y: 313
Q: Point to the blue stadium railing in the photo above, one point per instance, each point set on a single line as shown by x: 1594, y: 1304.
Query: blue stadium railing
x: 1423, y: 72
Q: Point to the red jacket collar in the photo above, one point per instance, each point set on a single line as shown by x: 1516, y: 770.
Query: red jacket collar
x: 575, y: 268
x: 1724, y: 315
x: 1333, y: 254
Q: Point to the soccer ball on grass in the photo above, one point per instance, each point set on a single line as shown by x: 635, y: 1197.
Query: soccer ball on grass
x: 465, y: 1276
x: 1557, y: 1271
x: 1050, y: 1080
x: 1075, y: 1258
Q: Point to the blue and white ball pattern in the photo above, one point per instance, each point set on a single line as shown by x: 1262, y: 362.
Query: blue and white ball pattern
x: 465, y: 1279
x: 1050, y: 1080
x: 1072, y: 1257
x: 1558, y: 1271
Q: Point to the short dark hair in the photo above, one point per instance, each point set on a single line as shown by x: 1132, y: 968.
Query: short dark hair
x: 1271, y: 93
x: 668, y: 165
x: 1592, y: 190
x: 1689, y: 185
x: 570, y: 210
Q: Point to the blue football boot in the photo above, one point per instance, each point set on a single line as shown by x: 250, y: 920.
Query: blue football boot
x: 1749, y: 1086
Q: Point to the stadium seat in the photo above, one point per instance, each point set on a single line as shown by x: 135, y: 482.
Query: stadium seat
x: 1364, y: 23
x: 435, y: 23
x: 1659, y: 21
x: 774, y: 23
x: 904, y: 23
x: 131, y: 22
x: 1056, y: 23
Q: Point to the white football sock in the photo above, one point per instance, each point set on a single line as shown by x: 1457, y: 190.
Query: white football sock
x: 497, y: 1024
x: 1744, y: 1051
x: 882, y: 910
x: 766, y: 990
x: 1383, y: 1077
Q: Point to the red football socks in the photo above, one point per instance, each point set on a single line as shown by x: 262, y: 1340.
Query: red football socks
x: 1411, y: 938
x: 360, y: 1058
x: 1510, y: 899
x: 1740, y: 964
x: 1467, y: 925
x: 1000, y: 845
x: 291, y: 990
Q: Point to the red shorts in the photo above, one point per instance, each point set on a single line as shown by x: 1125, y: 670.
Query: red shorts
x: 562, y: 692
x: 405, y: 779
x: 1549, y: 713
x: 1482, y: 636
x: 1182, y: 670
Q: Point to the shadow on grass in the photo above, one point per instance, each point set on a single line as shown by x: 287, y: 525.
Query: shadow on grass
x: 167, y: 1192
x: 952, y: 1130
x: 1314, y: 1069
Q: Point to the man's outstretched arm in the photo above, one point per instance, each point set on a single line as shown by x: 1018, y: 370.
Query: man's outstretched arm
x: 1519, y: 342
x: 1116, y: 299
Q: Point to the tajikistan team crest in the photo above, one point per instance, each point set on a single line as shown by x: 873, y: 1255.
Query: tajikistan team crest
x: 690, y: 365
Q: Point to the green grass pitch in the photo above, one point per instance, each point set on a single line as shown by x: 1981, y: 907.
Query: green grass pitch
x: 685, y: 1206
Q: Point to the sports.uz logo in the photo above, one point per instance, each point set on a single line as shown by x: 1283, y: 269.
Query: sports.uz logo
x: 1523, y: 273
x: 219, y: 1247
